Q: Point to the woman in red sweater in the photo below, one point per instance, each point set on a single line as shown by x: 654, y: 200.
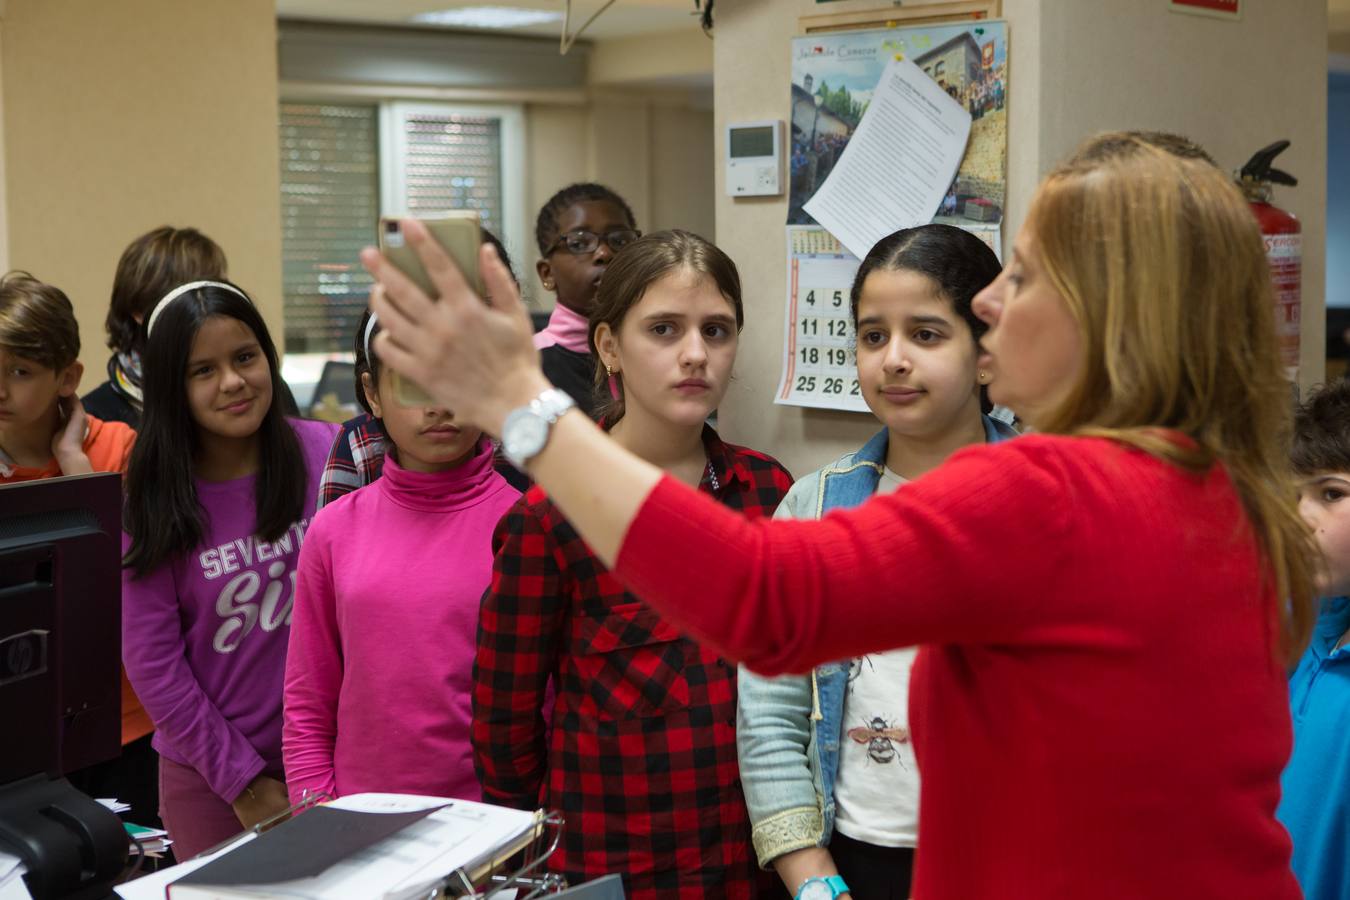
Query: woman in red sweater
x: 1100, y: 708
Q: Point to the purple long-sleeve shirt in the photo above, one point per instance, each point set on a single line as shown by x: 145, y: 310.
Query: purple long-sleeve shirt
x: 379, y: 677
x: 204, y: 636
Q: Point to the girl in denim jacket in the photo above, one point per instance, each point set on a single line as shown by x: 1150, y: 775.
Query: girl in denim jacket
x: 826, y: 764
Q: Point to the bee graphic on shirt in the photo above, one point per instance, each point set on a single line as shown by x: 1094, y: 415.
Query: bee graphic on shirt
x: 881, y: 738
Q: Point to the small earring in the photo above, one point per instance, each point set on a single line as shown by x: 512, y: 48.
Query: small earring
x: 984, y: 376
x: 608, y: 371
x: 548, y: 285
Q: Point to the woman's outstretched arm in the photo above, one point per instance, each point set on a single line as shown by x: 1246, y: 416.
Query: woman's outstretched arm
x: 933, y: 562
x: 480, y: 361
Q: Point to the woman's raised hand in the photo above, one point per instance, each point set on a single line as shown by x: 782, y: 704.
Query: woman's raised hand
x: 477, y: 360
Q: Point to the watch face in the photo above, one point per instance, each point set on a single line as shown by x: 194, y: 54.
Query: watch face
x: 524, y: 435
x: 816, y: 889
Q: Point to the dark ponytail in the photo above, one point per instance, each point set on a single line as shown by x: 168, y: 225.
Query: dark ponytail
x: 959, y: 263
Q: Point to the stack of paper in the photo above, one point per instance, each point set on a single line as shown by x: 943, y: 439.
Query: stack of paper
x: 114, y: 804
x: 153, y: 841
x: 391, y: 846
x: 12, y: 885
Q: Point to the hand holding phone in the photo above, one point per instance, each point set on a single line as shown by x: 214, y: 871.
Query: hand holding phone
x: 460, y: 234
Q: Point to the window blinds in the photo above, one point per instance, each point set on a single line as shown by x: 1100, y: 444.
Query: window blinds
x: 330, y: 175
x: 454, y: 161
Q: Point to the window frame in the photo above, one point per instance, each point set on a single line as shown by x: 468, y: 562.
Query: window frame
x: 393, y: 115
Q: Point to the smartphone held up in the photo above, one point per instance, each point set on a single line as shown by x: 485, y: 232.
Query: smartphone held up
x: 460, y: 235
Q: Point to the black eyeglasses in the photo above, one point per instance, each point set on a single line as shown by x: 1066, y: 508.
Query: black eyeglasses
x: 581, y: 242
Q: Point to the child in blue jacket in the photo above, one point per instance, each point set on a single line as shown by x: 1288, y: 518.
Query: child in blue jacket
x: 1315, y: 802
x: 826, y: 764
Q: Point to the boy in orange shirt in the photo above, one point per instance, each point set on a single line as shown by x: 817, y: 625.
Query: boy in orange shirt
x: 44, y: 431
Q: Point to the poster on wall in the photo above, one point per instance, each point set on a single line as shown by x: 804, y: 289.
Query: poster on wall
x: 833, y: 79
x: 835, y: 75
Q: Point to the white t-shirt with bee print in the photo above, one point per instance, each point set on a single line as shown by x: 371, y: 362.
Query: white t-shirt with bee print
x: 876, y: 793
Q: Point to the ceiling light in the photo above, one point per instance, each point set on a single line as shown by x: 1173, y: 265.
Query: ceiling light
x: 488, y: 17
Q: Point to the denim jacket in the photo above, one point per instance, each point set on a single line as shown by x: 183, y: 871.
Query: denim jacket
x: 788, y: 728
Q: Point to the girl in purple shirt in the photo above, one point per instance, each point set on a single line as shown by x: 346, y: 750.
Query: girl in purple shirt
x: 220, y: 490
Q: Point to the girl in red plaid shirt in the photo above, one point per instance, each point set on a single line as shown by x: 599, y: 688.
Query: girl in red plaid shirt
x: 641, y: 756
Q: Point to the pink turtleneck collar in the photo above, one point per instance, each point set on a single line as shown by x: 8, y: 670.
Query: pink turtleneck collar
x: 567, y: 329
x: 463, y: 486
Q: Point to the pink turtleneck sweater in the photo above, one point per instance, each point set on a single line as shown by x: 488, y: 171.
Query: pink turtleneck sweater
x: 379, y: 674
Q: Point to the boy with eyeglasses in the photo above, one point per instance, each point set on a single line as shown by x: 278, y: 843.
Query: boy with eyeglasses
x: 579, y: 230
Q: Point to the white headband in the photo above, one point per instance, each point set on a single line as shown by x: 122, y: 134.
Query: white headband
x: 370, y: 328
x: 183, y: 289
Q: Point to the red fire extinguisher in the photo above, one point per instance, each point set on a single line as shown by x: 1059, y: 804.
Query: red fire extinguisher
x: 1284, y: 246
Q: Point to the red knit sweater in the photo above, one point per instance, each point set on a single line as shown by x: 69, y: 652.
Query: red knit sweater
x: 1099, y: 711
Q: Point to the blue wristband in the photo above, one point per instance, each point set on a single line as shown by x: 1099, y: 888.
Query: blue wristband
x: 834, y: 885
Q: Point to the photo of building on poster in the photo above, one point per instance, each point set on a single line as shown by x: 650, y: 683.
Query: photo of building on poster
x: 833, y: 76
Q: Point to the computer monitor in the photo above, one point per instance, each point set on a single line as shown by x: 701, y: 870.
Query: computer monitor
x: 60, y: 678
x: 60, y: 623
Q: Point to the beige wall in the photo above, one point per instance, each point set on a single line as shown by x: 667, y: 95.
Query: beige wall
x: 1076, y: 66
x: 1233, y: 86
x: 684, y: 54
x: 654, y: 147
x: 683, y: 149
x: 119, y: 117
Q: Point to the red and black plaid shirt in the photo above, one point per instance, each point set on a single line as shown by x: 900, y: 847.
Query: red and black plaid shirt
x: 641, y: 759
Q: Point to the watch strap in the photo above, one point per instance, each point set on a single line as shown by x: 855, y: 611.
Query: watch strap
x: 547, y: 408
x: 835, y: 883
x: 551, y: 404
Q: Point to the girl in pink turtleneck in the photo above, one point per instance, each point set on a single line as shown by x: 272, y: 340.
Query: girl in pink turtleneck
x: 379, y: 673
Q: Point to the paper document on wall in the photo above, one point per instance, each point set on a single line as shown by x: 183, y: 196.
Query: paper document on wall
x: 898, y: 166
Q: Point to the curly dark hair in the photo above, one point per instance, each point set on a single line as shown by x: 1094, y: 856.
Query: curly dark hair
x: 546, y: 226
x: 1322, y: 431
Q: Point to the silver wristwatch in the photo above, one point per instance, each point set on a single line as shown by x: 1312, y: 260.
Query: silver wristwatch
x: 526, y: 430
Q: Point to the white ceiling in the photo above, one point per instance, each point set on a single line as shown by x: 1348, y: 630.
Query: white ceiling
x: 625, y: 18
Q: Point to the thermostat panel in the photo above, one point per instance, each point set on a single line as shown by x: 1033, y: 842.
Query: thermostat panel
x: 755, y: 159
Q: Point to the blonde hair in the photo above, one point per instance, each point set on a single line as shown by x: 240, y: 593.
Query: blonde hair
x: 1161, y: 262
